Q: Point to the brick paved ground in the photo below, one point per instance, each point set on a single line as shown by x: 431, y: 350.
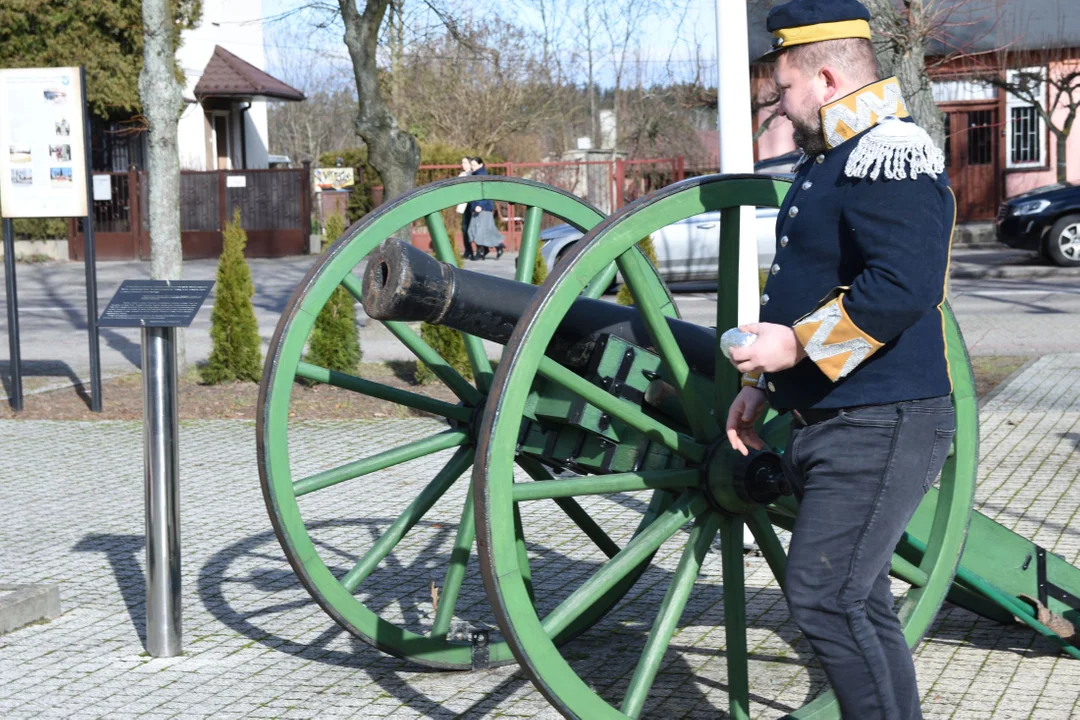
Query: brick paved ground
x: 71, y: 513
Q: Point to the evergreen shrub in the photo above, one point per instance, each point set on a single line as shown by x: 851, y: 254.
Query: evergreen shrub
x: 236, y: 352
x: 624, y: 297
x: 335, y: 343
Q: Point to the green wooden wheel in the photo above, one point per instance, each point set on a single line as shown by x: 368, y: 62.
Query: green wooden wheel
x: 705, y: 499
x: 348, y: 576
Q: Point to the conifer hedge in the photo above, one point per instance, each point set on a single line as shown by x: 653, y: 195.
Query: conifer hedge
x: 335, y: 343
x: 624, y: 297
x: 236, y: 351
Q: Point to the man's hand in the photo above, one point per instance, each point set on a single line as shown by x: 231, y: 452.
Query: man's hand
x: 744, y: 412
x: 775, y: 349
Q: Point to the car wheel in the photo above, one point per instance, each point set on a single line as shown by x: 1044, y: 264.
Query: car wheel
x: 1063, y: 244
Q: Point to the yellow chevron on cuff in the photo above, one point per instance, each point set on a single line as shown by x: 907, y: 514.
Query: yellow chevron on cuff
x: 751, y: 379
x: 832, y: 341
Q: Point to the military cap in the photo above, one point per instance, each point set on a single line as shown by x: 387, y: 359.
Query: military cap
x: 808, y: 21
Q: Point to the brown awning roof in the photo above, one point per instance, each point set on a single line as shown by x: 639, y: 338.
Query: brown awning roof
x: 228, y: 76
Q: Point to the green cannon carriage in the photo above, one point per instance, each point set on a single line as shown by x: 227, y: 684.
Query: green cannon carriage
x: 593, y: 406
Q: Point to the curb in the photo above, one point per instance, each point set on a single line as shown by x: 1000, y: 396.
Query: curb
x: 1013, y: 271
x: 24, y: 604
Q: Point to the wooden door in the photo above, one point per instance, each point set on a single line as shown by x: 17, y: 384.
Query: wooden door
x: 972, y: 157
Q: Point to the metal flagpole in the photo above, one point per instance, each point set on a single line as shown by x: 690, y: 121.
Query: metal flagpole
x: 735, y: 125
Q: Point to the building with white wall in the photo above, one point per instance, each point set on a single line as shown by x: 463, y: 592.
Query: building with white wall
x: 224, y: 122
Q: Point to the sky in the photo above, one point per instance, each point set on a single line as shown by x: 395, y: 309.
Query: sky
x: 669, y: 44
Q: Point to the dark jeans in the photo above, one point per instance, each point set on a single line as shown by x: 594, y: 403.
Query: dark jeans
x: 859, y: 477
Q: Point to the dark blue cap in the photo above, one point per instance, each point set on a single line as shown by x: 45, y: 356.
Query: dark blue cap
x: 805, y: 21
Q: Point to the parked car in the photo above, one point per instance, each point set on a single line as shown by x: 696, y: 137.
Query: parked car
x: 686, y: 251
x: 1046, y: 220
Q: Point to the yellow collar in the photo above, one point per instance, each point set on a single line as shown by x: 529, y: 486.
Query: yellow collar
x: 845, y: 118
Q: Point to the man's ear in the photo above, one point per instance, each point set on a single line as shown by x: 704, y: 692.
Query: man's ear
x: 829, y: 79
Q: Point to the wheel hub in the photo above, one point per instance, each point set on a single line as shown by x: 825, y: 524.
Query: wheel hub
x: 734, y: 483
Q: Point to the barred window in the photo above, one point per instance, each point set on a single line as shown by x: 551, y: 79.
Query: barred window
x: 1025, y: 134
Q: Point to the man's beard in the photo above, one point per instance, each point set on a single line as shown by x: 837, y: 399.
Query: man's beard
x: 808, y: 135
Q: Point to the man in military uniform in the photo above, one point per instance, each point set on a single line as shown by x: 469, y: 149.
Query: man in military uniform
x: 852, y: 343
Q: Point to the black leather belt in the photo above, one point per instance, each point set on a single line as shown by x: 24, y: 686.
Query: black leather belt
x: 805, y: 418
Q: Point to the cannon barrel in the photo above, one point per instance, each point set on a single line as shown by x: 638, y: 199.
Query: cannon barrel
x: 405, y: 284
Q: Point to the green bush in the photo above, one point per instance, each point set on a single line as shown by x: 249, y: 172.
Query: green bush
x: 40, y: 229
x: 624, y: 297
x: 236, y: 353
x: 334, y: 343
x: 447, y: 342
x: 540, y: 272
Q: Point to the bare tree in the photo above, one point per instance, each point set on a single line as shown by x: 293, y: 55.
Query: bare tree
x: 323, y: 121
x: 392, y: 150
x: 477, y: 88
x: 1049, y: 87
x: 162, y: 101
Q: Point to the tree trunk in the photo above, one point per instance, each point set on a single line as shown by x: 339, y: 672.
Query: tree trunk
x: 162, y: 102
x: 1062, y: 157
x: 900, y: 44
x: 393, y: 152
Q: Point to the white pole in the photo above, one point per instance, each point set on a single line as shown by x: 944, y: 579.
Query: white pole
x: 737, y: 147
x: 736, y: 135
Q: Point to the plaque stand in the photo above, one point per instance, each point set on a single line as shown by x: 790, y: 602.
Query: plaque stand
x: 159, y: 307
x: 162, y: 470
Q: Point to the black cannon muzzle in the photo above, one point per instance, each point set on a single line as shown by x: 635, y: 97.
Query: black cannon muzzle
x: 406, y: 284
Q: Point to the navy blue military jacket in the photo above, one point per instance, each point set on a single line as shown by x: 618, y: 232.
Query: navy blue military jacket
x: 861, y: 264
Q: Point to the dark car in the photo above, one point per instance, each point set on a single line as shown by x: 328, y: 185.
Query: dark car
x: 1046, y: 220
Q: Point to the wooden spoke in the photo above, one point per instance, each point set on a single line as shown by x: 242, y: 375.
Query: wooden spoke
x: 387, y: 458
x: 383, y: 392
x: 404, y: 523
x: 530, y: 239
x: 638, y: 275
x: 671, y: 609
x: 615, y: 570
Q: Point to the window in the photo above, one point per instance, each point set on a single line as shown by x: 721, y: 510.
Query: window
x: 1025, y: 135
x: 981, y: 137
x: 1024, y: 122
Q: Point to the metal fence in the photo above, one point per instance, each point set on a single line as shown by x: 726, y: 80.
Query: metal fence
x: 275, y: 207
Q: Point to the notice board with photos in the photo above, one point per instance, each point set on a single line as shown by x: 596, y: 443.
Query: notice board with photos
x: 42, y: 143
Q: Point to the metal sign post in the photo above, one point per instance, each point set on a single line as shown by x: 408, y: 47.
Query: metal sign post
x: 159, y: 307
x: 162, y: 463
x: 14, y: 361
x: 90, y: 263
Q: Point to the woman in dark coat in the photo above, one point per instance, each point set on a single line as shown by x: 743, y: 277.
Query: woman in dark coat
x: 482, y: 231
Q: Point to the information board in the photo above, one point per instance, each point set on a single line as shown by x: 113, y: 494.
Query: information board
x: 155, y: 303
x: 42, y: 153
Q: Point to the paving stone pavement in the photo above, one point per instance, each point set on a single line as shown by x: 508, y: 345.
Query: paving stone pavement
x: 71, y: 513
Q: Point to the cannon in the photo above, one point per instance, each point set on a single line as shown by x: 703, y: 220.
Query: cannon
x: 595, y: 404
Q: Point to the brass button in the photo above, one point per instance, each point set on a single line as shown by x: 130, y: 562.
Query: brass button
x: 765, y: 299
x: 807, y: 185
x: 820, y: 159
x: 793, y: 212
x: 784, y: 241
x: 774, y: 269
x: 772, y: 388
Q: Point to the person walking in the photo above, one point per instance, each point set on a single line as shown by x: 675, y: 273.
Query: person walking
x: 466, y: 170
x: 851, y: 341
x: 482, y: 230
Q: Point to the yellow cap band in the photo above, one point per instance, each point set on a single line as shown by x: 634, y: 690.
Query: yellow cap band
x: 823, y: 31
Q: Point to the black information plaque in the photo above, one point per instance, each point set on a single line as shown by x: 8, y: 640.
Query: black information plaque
x: 155, y: 303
